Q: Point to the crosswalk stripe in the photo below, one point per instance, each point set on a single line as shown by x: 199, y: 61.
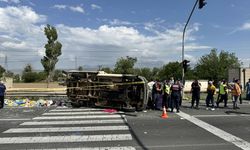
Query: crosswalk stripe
x: 61, y: 139
x: 77, y: 113
x: 66, y: 129
x: 73, y: 122
x: 78, y: 109
x: 93, y: 148
x: 77, y: 117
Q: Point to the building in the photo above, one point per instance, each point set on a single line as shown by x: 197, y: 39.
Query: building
x: 239, y: 73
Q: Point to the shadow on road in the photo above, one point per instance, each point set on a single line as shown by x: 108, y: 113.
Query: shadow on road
x: 236, y: 112
x: 142, y: 146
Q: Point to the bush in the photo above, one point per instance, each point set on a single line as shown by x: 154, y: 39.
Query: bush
x: 29, y: 77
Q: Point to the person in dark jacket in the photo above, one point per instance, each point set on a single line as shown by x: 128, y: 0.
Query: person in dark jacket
x: 2, y: 94
x: 195, y: 89
x: 175, y: 96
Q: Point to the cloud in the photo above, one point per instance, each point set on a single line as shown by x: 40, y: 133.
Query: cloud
x: 72, y: 8
x: 22, y: 39
x: 21, y: 33
x: 10, y: 1
x: 96, y: 7
x: 245, y: 26
x: 60, y: 6
x: 107, y: 43
x: 117, y: 22
x: 77, y: 9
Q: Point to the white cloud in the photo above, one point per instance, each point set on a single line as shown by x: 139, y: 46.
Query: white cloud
x: 245, y: 26
x: 94, y: 6
x: 77, y: 9
x: 118, y: 22
x: 10, y: 1
x: 22, y: 31
x: 107, y: 43
x: 72, y: 8
x: 60, y: 6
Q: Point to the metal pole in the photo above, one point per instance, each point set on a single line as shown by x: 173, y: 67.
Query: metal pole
x: 183, y: 39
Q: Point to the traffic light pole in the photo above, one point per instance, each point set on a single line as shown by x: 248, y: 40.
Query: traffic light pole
x: 183, y: 41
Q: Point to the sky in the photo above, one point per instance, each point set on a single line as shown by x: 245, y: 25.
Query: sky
x: 97, y: 33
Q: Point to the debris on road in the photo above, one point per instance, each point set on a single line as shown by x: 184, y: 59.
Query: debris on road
x: 25, y: 102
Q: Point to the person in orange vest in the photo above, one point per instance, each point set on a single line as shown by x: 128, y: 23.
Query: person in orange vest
x: 211, y: 91
x: 236, y: 92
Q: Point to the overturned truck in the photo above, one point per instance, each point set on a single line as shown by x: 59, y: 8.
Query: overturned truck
x: 97, y: 88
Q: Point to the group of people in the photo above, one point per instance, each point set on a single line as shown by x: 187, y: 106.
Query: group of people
x: 224, y: 88
x: 167, y: 94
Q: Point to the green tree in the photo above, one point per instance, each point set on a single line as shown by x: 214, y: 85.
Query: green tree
x: 215, y: 66
x: 52, y: 51
x: 2, y: 70
x: 125, y: 65
x: 106, y: 69
x: 172, y: 69
x: 9, y: 74
x: 28, y: 75
x: 155, y: 73
x: 16, y: 78
x: 41, y: 76
x: 58, y: 75
x: 28, y: 68
x: 80, y: 68
x: 145, y: 72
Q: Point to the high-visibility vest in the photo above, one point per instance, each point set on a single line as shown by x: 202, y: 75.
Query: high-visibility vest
x: 167, y: 89
x: 222, y: 89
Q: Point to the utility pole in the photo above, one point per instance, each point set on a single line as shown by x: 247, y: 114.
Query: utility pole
x: 202, y: 3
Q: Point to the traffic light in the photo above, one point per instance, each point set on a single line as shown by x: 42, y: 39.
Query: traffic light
x: 185, y: 65
x: 202, y: 3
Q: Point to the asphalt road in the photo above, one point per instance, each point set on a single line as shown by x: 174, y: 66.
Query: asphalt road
x: 61, y: 128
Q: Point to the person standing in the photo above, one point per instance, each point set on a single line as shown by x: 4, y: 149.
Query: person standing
x: 236, y: 92
x: 2, y: 93
x: 211, y: 91
x: 166, y: 95
x: 248, y: 89
x: 195, y: 90
x: 223, y: 94
x: 175, y: 96
x: 158, y: 95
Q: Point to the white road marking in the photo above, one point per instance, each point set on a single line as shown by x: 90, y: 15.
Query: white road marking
x: 77, y: 113
x: 73, y: 122
x: 218, y: 132
x: 63, y: 139
x: 235, y: 115
x: 214, y: 116
x: 77, y: 117
x: 93, y: 148
x: 66, y: 129
x: 19, y: 119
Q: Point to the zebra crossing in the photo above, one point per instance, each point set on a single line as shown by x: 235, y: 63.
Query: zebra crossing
x: 67, y: 128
